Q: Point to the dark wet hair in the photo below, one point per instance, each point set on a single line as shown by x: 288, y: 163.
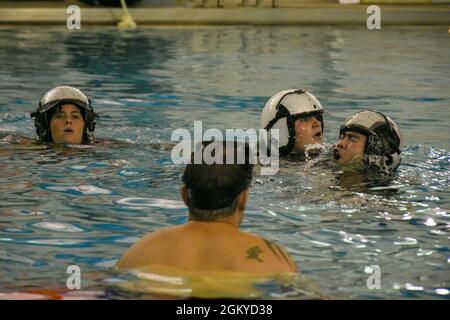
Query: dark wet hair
x: 214, y: 188
x: 52, y: 111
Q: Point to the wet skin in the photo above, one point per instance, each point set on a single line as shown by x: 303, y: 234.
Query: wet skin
x: 308, y: 130
x: 350, y: 148
x: 67, y: 125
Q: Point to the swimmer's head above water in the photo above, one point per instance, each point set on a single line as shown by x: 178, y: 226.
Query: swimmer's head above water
x: 214, y: 191
x: 370, y: 139
x: 299, y: 117
x: 65, y: 116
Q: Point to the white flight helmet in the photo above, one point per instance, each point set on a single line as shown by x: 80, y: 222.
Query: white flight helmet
x: 384, y: 141
x: 281, y: 111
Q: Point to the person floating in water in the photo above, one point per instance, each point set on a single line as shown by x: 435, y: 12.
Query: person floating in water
x: 65, y: 116
x: 299, y: 117
x: 216, y: 195
x: 369, y: 140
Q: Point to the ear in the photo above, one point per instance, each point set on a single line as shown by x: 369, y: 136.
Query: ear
x: 185, y: 195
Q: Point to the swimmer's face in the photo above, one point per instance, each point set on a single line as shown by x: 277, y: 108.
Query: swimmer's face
x: 67, y: 125
x: 350, y: 147
x: 308, y: 130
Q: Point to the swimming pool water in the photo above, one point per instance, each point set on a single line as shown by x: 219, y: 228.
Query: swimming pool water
x: 60, y: 207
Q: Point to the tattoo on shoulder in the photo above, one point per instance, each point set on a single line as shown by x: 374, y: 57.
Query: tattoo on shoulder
x: 277, y: 251
x: 253, y: 253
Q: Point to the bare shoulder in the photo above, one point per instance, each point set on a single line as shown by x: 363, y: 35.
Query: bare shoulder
x: 165, y: 231
x: 267, y: 254
x: 147, y: 247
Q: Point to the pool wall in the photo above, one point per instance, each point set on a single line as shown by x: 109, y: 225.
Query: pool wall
x: 308, y: 14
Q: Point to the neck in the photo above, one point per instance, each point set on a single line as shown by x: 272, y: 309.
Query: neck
x: 233, y: 221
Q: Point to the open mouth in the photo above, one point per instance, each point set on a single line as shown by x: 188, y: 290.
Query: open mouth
x: 68, y: 130
x: 318, y: 135
x: 336, y: 154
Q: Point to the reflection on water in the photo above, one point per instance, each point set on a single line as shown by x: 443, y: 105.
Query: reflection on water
x: 163, y: 282
x: 60, y: 207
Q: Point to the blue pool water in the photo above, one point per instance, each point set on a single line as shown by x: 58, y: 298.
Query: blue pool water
x: 60, y: 207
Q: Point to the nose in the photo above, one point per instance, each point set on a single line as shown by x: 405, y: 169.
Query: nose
x: 68, y: 120
x: 342, y: 143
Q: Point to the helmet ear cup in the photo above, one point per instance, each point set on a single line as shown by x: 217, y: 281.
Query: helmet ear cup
x: 91, y: 117
x: 90, y: 120
x: 39, y: 124
x: 90, y: 124
x: 378, y: 154
x: 93, y: 122
x: 374, y: 146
